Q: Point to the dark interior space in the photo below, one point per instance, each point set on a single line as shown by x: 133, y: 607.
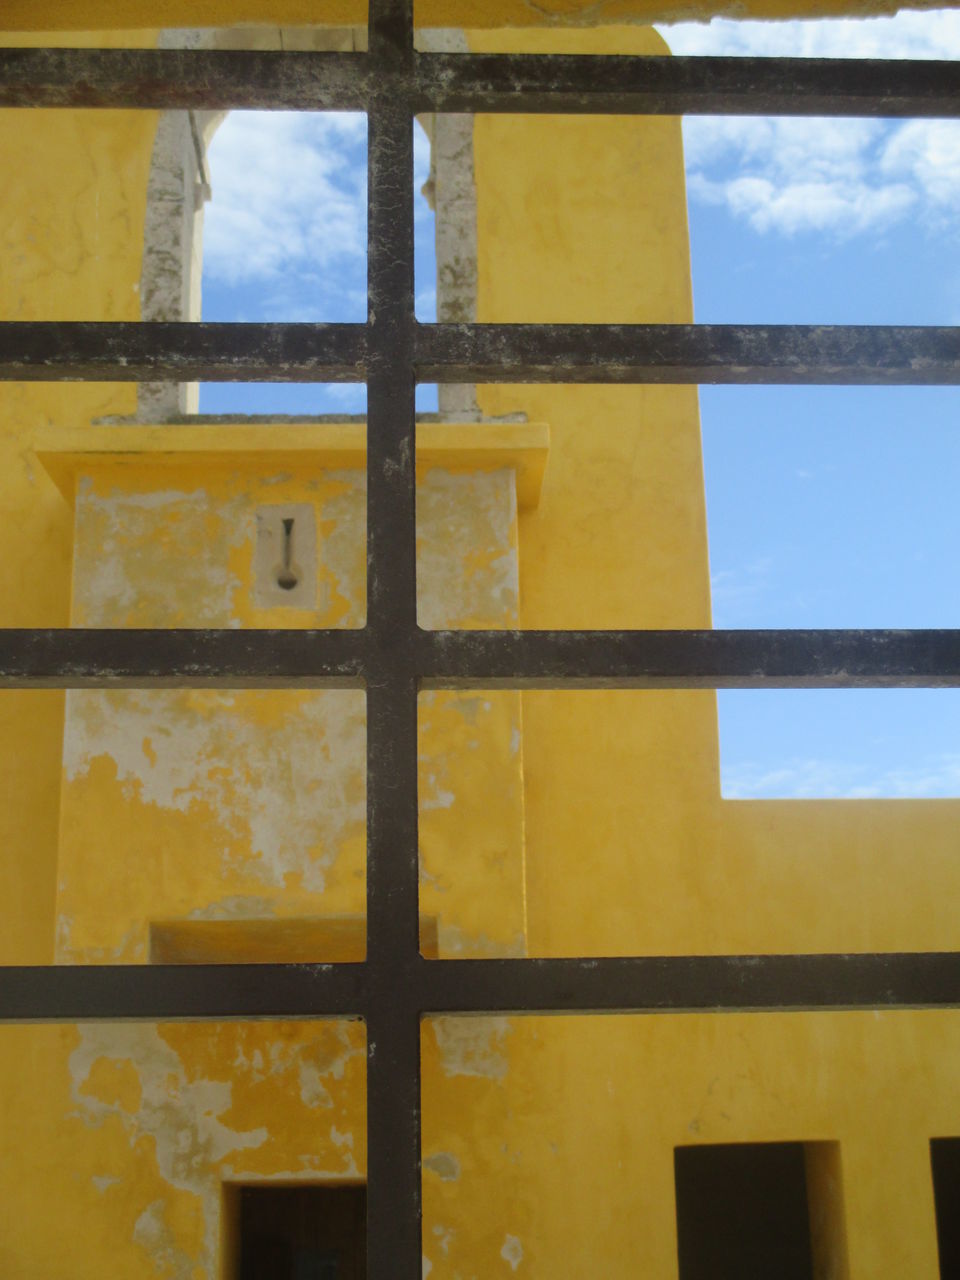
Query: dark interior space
x: 945, y: 1160
x: 301, y: 1233
x: 742, y: 1212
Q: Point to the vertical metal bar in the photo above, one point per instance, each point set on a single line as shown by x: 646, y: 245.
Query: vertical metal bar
x: 393, y: 1033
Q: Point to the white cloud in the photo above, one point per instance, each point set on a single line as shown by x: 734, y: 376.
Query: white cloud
x: 817, y: 779
x: 935, y: 34
x: 792, y: 175
x: 289, y: 190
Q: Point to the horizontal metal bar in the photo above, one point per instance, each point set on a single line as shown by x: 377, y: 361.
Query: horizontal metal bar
x: 557, y: 83
x: 688, y: 659
x: 687, y: 85
x: 918, y: 980
x: 681, y: 353
x: 620, y: 984
x: 201, y: 79
x: 175, y: 992
x: 38, y: 351
x: 77, y: 658
x: 176, y: 658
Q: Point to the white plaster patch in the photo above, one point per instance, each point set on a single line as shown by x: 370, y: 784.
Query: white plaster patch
x: 445, y: 1237
x: 467, y: 564
x: 427, y: 1266
x: 154, y: 1236
x: 454, y: 941
x: 182, y: 1117
x: 472, y: 1046
x: 512, y: 1251
x: 444, y: 1164
x: 102, y: 1184
x: 292, y: 793
x: 436, y: 797
x: 150, y: 556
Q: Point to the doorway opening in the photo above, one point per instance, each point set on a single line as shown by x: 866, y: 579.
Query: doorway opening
x: 296, y: 1232
x: 945, y: 1162
x: 751, y: 1210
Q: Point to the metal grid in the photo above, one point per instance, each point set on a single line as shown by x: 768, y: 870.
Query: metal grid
x: 391, y: 658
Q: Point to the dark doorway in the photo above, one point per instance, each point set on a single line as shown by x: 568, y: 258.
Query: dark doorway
x: 301, y: 1233
x: 945, y: 1160
x: 742, y: 1212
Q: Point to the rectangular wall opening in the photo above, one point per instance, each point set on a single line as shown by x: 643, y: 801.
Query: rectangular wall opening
x: 945, y: 1163
x: 760, y: 1209
x: 296, y: 1232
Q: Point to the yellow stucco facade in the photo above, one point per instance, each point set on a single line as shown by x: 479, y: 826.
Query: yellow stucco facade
x: 215, y: 825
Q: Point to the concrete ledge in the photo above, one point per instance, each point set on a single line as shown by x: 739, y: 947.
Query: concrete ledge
x: 457, y: 447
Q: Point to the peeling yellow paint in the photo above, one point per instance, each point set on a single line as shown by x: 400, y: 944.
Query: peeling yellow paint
x: 550, y: 824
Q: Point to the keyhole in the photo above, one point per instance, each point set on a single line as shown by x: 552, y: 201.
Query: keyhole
x: 286, y: 578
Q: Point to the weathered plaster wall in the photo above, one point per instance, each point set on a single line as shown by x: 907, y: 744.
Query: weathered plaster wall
x: 547, y: 1143
x: 571, y: 228
x: 71, y: 218
x: 250, y: 805
x: 127, y: 1133
x: 565, y: 1128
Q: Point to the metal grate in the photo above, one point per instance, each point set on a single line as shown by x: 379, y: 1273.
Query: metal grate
x: 391, y: 658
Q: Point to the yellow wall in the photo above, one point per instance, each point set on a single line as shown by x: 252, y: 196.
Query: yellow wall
x: 629, y: 847
x: 36, y: 15
x: 548, y: 1143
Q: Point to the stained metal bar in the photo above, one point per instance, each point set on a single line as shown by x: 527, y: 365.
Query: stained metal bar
x: 623, y: 85
x: 761, y: 354
x: 689, y: 659
x: 393, y: 881
x: 694, y: 983
x: 66, y: 658
x: 619, y: 984
x: 197, y: 79
x: 181, y: 351
x: 528, y: 83
x: 114, y: 658
x: 861, y: 355
x: 176, y: 992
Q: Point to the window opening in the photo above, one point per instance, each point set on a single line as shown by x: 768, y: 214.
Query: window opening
x: 742, y: 1212
x: 846, y: 524
x: 299, y: 1232
x: 945, y: 1166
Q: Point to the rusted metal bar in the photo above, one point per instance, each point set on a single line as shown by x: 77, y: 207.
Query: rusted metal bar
x: 393, y: 866
x: 618, y: 984
x: 194, y: 79
x: 861, y: 355
x: 676, y: 353
x: 529, y: 83
x: 252, y: 659
x: 728, y: 984
x: 623, y: 85
x: 181, y: 351
x: 689, y: 659
x: 179, y: 992
x: 115, y: 658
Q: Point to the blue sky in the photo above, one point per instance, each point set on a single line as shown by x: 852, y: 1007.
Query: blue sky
x: 827, y: 507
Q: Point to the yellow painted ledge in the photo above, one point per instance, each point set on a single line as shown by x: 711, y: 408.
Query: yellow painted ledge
x: 82, y: 15
x: 459, y: 447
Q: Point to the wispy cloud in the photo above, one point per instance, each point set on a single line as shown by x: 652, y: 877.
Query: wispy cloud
x: 733, y: 590
x: 837, y: 779
x: 289, y: 190
x: 791, y: 175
